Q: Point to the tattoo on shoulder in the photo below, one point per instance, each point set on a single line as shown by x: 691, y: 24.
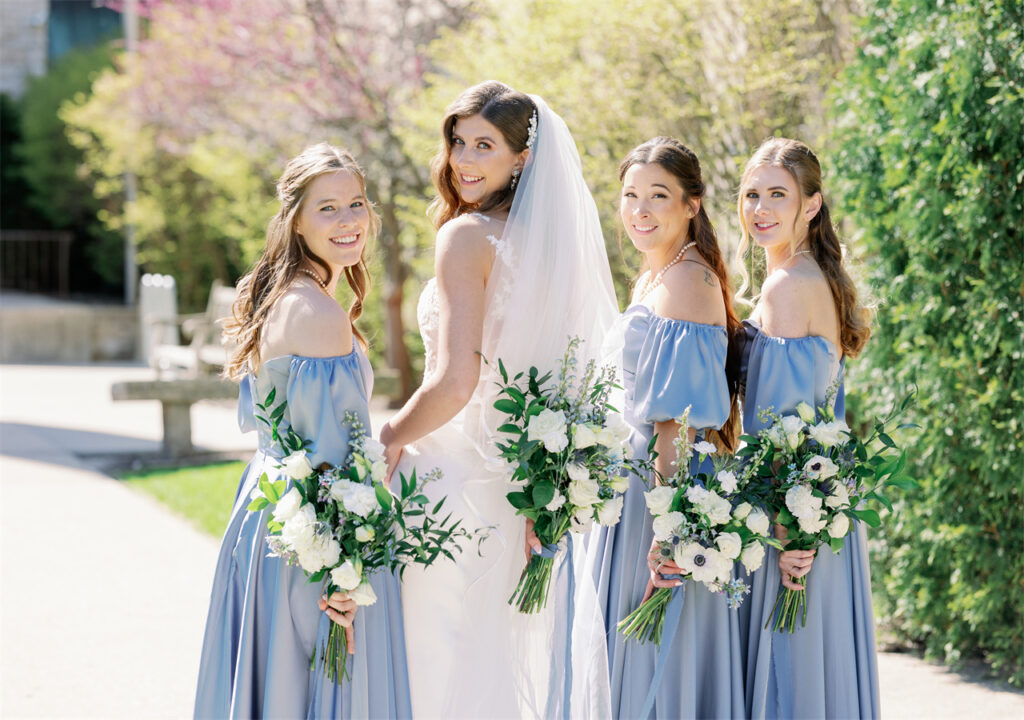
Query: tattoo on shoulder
x: 709, y: 278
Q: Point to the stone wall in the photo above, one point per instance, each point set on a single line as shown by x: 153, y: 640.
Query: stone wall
x: 40, y: 329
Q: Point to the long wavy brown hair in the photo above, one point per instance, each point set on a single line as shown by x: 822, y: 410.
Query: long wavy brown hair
x: 683, y: 164
x: 801, y: 163
x: 286, y: 253
x: 508, y: 110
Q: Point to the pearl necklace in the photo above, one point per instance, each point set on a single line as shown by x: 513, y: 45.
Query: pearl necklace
x: 316, y: 278
x: 649, y: 285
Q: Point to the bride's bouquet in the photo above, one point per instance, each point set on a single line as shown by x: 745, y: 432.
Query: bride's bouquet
x: 819, y: 476
x: 569, y: 454
x: 341, y: 524
x: 705, y: 523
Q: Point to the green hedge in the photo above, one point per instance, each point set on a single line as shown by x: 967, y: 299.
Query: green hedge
x: 929, y: 147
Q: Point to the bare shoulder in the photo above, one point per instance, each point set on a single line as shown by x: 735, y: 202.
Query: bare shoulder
x: 692, y: 292
x: 792, y: 297
x: 305, y: 321
x: 463, y: 243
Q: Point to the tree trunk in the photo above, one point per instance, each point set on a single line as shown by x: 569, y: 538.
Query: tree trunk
x: 394, y: 283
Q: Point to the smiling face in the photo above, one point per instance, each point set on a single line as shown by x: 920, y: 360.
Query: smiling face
x: 334, y: 219
x: 481, y: 159
x: 773, y: 211
x: 654, y: 209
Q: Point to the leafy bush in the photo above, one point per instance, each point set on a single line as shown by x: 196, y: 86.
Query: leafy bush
x: 930, y: 151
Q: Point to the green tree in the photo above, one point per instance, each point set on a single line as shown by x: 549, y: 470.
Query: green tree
x: 59, y: 197
x: 930, y: 151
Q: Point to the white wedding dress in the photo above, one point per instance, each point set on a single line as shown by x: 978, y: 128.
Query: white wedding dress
x: 470, y: 653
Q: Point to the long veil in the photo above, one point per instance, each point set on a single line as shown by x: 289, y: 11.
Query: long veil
x: 550, y: 281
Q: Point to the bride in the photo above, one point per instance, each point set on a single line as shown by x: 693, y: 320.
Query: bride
x: 520, y: 267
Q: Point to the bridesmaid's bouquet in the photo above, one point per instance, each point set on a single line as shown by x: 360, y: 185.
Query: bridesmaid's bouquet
x: 819, y: 476
x: 341, y: 524
x: 569, y: 454
x: 705, y: 523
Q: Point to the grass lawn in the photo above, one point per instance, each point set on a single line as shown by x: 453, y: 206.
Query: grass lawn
x: 204, y: 494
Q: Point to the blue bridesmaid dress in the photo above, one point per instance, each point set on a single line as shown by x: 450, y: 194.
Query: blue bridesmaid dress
x: 667, y: 366
x: 826, y: 669
x: 264, y: 623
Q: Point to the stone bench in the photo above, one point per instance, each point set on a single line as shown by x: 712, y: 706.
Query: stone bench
x: 177, y: 397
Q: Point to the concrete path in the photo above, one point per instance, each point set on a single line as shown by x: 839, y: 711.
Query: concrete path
x: 103, y: 592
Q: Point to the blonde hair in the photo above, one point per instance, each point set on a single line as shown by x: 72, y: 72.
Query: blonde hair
x: 286, y: 252
x: 508, y: 110
x: 801, y: 163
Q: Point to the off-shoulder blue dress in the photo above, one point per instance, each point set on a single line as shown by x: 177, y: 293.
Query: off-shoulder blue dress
x: 264, y: 622
x: 667, y: 366
x: 826, y: 669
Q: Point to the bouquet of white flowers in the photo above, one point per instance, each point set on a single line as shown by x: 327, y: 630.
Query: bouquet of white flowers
x: 705, y: 524
x: 342, y: 524
x: 818, y: 476
x: 569, y: 452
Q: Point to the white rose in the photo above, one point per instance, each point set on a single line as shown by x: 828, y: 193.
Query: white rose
x: 820, y: 468
x: 752, y: 556
x: 556, y: 502
x: 577, y: 471
x: 802, y: 502
x: 813, y: 524
x: 619, y: 483
x: 363, y: 594
x: 323, y: 552
x: 609, y: 512
x: 378, y: 470
x: 729, y: 544
x: 685, y: 554
x: 791, y: 427
x: 727, y: 479
x: 666, y: 525
x: 373, y: 450
x: 742, y: 510
x: 360, y: 499
x: 830, y: 433
x: 348, y: 575
x: 659, y: 499
x: 584, y: 493
x: 776, y: 436
x: 615, y: 432
x: 365, y: 533
x: 839, y: 498
x: 338, y: 490
x: 839, y: 526
x: 757, y: 522
x: 717, y: 509
x: 696, y: 494
x: 704, y: 448
x: 288, y: 505
x: 584, y: 437
x: 723, y: 568
x: 362, y: 466
x: 548, y: 427
x: 299, y: 530
x: 806, y: 412
x: 297, y: 465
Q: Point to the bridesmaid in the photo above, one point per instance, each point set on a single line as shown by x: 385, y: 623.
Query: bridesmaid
x: 675, y: 344
x: 806, y: 322
x: 291, y: 336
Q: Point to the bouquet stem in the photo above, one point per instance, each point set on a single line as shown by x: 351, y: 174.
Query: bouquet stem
x: 334, y: 654
x: 645, y: 623
x: 788, y: 605
x: 531, y: 594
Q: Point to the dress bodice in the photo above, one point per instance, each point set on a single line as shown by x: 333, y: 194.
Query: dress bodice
x: 781, y: 373
x: 668, y: 365
x: 319, y: 391
x: 428, y: 316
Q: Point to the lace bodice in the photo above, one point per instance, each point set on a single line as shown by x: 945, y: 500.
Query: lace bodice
x: 428, y: 316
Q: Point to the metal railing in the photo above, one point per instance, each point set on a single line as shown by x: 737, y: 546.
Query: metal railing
x: 35, y: 261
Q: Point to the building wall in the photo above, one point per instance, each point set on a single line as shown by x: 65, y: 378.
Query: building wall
x: 23, y: 44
